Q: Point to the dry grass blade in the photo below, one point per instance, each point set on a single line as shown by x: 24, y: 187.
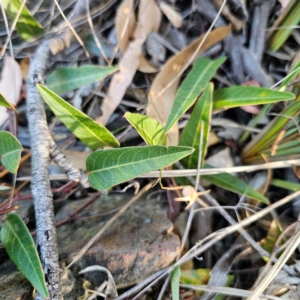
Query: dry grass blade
x: 193, y: 172
x: 8, y: 40
x: 293, y: 244
x: 72, y: 29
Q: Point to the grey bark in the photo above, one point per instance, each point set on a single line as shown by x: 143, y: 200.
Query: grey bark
x: 43, y: 147
x: 41, y: 190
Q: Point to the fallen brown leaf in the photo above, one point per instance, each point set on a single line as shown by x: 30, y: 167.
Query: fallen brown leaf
x: 173, y: 16
x: 148, y: 20
x: 126, y: 30
x: 10, y: 85
x: 164, y: 86
x: 24, y: 65
x: 125, y: 24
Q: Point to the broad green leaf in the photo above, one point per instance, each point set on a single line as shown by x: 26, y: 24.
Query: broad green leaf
x: 83, y: 127
x: 269, y: 134
x: 175, y: 283
x: 288, y: 185
x: 70, y: 78
x: 236, y: 96
x: 107, y: 168
x: 200, y: 75
x: 20, y: 247
x: 10, y: 150
x: 27, y: 27
x: 149, y: 129
x: 93, y: 48
x: 190, y: 135
x: 5, y: 103
x: 233, y: 184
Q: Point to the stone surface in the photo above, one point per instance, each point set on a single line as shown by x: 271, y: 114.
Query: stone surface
x: 13, y: 285
x: 136, y: 246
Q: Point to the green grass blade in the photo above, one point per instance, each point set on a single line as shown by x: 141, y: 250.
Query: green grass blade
x: 175, y: 277
x: 233, y: 184
x: 20, y: 247
x: 269, y: 134
x: 107, y: 168
x: 291, y: 186
x: 283, y: 152
x: 292, y: 19
x: 70, y: 78
x: 149, y: 129
x: 190, y: 135
x: 27, y: 27
x: 294, y: 72
x: 5, y: 103
x: 87, y: 130
x: 289, y: 144
x: 189, y: 91
x: 10, y: 150
x: 254, y: 121
x: 236, y: 96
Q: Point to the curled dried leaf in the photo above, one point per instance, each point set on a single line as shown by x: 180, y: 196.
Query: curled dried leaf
x: 173, y: 16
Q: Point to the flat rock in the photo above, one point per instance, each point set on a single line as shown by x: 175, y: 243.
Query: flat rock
x: 13, y: 285
x: 136, y: 246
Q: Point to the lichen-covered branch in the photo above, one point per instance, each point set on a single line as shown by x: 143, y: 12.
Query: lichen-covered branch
x: 42, y: 147
x: 65, y: 164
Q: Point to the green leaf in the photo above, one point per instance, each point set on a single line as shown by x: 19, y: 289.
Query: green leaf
x: 190, y: 135
x: 233, y: 184
x: 269, y: 134
x: 20, y: 247
x: 236, y: 96
x: 175, y: 283
x: 5, y: 103
x: 293, y: 73
x: 202, y: 72
x: 107, y: 168
x: 289, y: 21
x: 70, y: 78
x: 270, y: 241
x: 288, y: 185
x: 27, y: 27
x: 87, y: 130
x: 149, y: 129
x: 10, y: 150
